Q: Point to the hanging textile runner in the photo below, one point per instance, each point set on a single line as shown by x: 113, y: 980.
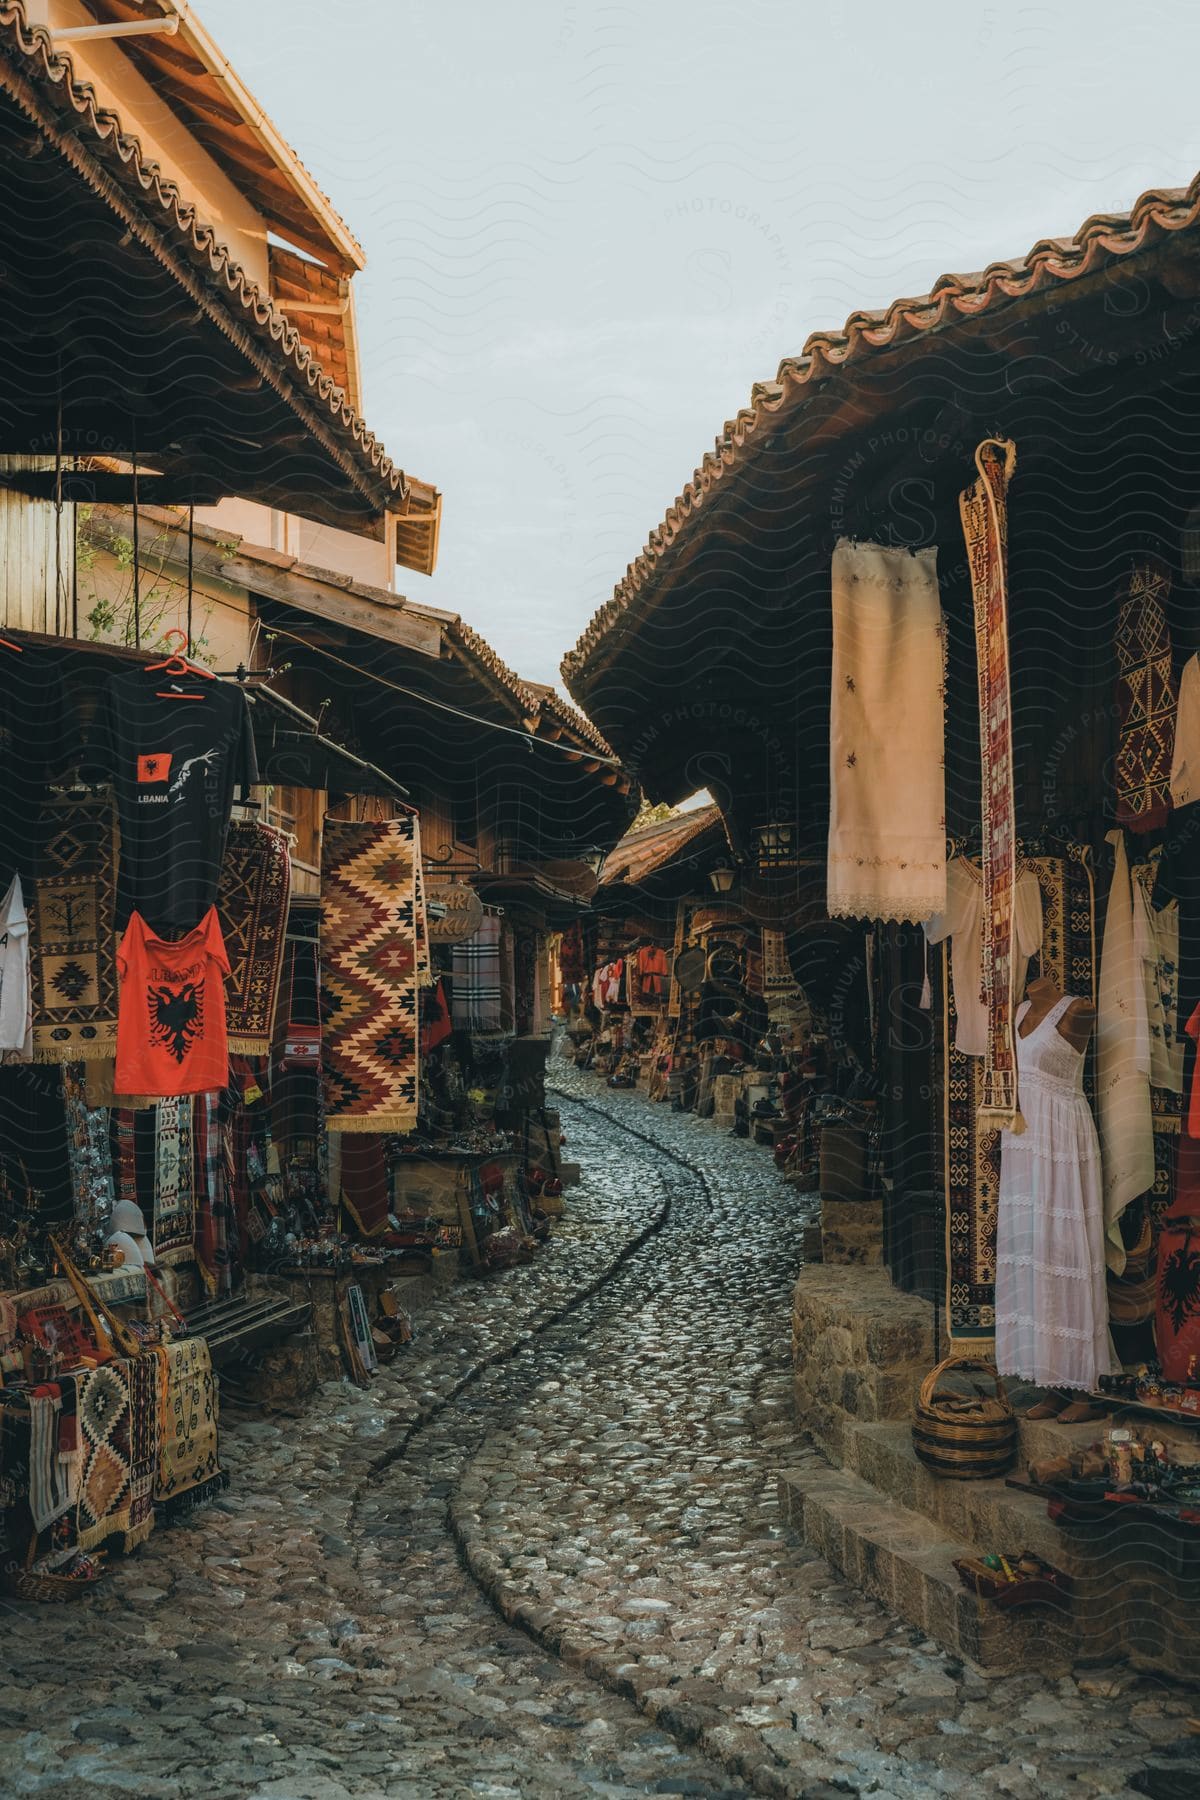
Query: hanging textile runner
x: 971, y: 1151
x: 105, y: 1417
x: 188, y: 1464
x: 777, y: 974
x: 143, y: 1447
x: 475, y: 997
x: 674, y: 991
x: 1124, y: 1113
x: 1146, y: 699
x: 252, y: 906
x: 984, y: 510
x: 73, y: 963
x: 174, y: 1194
x: 368, y: 974
x: 887, y: 778
x: 216, y: 1237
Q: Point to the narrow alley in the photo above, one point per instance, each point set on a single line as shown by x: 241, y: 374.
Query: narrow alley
x: 541, y: 1557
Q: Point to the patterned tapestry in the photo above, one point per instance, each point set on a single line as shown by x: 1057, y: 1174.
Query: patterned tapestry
x: 73, y: 937
x: 1146, y: 699
x: 174, y: 1190
x: 674, y: 991
x: 106, y: 1449
x: 971, y: 1152
x: 369, y: 975
x: 143, y: 1447
x: 252, y: 905
x: 189, y: 1467
x: 984, y: 512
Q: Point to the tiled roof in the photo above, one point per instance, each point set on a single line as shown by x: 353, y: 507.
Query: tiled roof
x: 296, y: 286
x: 190, y: 75
x: 29, y: 62
x: 640, y: 853
x: 1103, y: 239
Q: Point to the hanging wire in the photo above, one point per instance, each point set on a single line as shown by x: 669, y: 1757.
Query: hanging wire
x: 190, y: 566
x: 137, y: 595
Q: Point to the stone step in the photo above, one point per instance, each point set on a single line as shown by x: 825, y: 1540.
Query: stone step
x: 988, y: 1513
x: 906, y: 1562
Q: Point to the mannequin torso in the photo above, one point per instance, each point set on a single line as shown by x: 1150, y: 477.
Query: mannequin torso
x: 1075, y: 1026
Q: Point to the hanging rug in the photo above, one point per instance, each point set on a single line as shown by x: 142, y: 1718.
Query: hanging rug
x: 369, y: 974
x: 252, y: 907
x: 73, y: 967
x: 984, y: 512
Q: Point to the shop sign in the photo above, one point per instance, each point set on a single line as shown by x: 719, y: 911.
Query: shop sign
x: 462, y: 917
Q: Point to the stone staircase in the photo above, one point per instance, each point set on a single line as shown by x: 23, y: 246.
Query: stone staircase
x: 862, y: 1498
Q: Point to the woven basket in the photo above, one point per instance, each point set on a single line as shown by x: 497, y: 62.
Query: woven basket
x: 26, y: 1583
x: 964, y: 1437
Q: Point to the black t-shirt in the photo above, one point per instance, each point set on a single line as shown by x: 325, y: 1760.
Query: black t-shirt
x: 173, y: 764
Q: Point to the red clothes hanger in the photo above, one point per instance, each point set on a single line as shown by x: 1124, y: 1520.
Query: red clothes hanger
x: 177, y: 664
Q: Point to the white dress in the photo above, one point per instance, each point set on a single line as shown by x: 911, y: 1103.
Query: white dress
x: 1051, y: 1293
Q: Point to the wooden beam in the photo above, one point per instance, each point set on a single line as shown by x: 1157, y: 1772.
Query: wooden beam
x: 100, y: 488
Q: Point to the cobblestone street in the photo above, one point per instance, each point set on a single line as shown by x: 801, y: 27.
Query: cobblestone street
x: 541, y: 1557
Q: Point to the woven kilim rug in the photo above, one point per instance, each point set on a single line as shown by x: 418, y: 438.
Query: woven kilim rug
x: 984, y: 512
x: 73, y: 940
x: 174, y: 1176
x: 1147, y: 698
x: 189, y: 1467
x: 106, y: 1449
x: 368, y: 975
x: 971, y: 1151
x: 143, y: 1447
x: 252, y: 906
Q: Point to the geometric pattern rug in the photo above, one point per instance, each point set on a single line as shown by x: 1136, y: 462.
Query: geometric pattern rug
x: 73, y: 937
x: 971, y: 1153
x: 252, y: 906
x: 369, y: 974
x: 106, y: 1449
x: 174, y: 1176
x: 188, y: 1460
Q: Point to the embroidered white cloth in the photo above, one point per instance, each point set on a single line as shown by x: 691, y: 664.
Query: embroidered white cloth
x: 962, y: 923
x: 887, y: 780
x: 1122, y: 1061
x: 1051, y: 1293
x: 16, y: 993
x: 1185, y: 762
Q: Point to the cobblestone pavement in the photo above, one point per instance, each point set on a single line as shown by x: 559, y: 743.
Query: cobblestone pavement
x: 597, y: 1437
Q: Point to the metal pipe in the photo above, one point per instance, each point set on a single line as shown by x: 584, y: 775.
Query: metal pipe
x: 79, y: 34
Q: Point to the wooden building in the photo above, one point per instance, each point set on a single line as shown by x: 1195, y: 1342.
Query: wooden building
x: 712, y: 664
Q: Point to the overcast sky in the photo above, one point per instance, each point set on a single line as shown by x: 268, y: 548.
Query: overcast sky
x: 589, y: 228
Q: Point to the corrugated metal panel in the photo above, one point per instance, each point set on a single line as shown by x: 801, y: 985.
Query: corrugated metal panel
x: 27, y: 558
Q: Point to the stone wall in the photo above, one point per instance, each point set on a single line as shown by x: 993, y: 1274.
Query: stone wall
x: 860, y: 1350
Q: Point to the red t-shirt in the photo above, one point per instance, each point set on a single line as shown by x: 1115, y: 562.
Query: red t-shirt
x: 171, y: 1018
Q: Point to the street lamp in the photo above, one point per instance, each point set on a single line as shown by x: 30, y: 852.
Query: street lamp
x: 722, y: 879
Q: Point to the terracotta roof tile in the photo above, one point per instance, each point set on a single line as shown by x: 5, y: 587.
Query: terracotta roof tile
x: 27, y: 53
x: 642, y: 853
